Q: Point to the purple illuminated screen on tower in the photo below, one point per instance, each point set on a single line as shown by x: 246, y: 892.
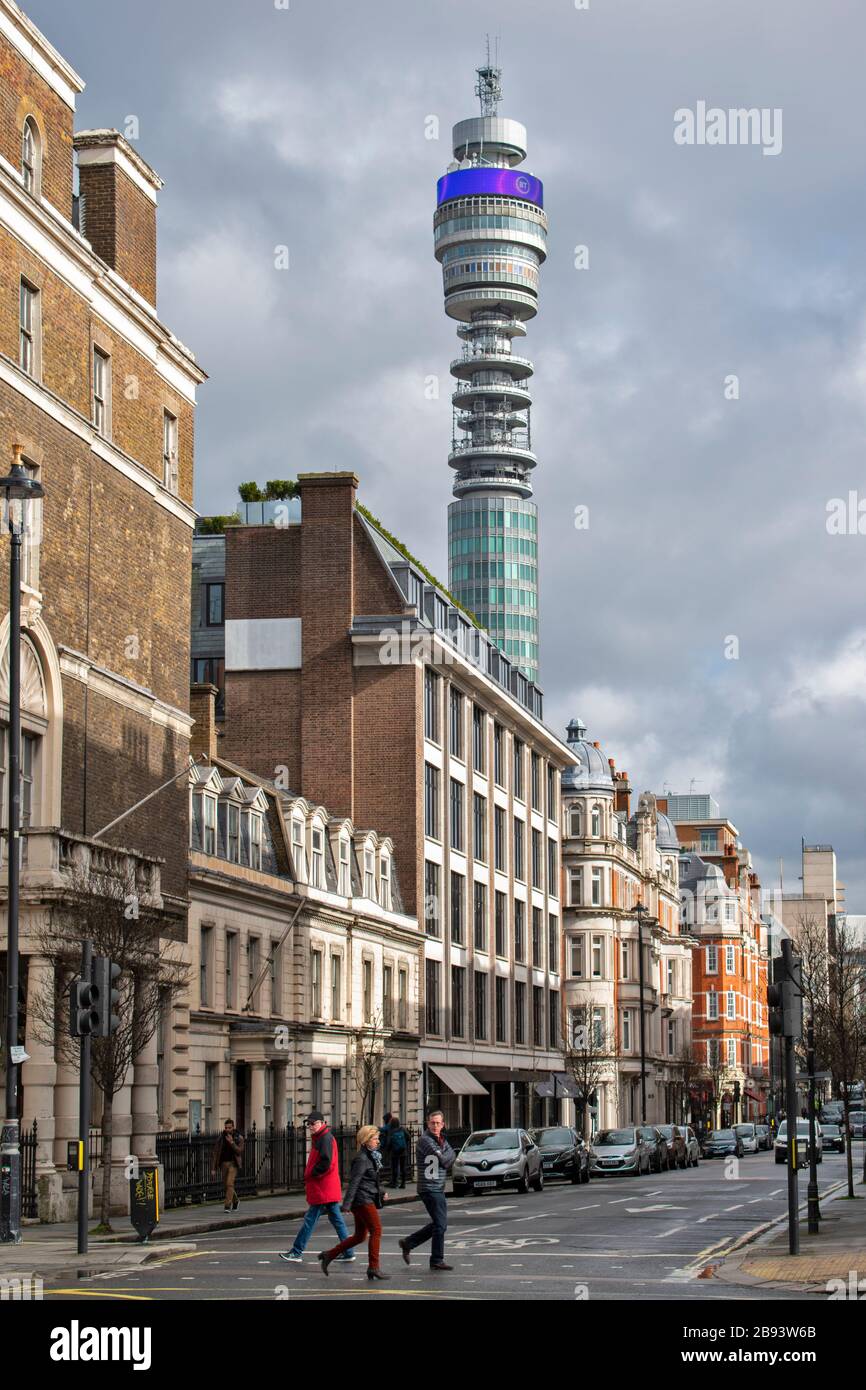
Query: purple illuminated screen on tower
x: 506, y: 183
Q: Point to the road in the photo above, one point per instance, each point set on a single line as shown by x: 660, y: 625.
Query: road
x: 617, y: 1238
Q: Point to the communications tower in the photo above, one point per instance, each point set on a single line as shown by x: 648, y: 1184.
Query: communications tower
x: 490, y: 235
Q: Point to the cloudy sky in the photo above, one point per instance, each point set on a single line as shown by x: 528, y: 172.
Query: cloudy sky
x: 305, y: 127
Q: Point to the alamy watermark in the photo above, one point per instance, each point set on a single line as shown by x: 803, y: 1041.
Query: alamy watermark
x: 738, y: 125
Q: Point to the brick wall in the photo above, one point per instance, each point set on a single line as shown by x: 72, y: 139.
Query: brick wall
x: 24, y: 93
x: 69, y: 332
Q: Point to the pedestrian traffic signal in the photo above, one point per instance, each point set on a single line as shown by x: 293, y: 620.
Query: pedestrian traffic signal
x: 84, y: 1015
x: 105, y: 972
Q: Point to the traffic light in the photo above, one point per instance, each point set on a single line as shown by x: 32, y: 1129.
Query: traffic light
x: 105, y: 972
x: 84, y: 1017
x: 785, y: 999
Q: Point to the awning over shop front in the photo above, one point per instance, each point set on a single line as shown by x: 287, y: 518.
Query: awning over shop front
x: 460, y: 1081
x: 565, y: 1086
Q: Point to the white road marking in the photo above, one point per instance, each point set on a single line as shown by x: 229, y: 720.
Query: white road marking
x: 619, y: 1199
x: 735, y: 1207
x: 711, y: 1217
x: 671, y: 1232
x: 588, y: 1206
x: 657, y: 1206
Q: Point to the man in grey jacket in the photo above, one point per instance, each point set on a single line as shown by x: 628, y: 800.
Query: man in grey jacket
x: 434, y: 1158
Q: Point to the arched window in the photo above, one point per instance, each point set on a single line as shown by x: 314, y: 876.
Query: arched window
x: 299, y: 859
x: 596, y: 821
x: 575, y: 819
x: 385, y: 879
x: 31, y: 157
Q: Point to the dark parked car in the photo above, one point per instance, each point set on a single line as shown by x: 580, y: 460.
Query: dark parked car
x: 721, y: 1142
x: 563, y: 1153
x: 858, y: 1124
x: 765, y: 1138
x: 683, y: 1147
x: 678, y: 1149
x: 834, y: 1138
x: 657, y: 1146
x: 619, y: 1151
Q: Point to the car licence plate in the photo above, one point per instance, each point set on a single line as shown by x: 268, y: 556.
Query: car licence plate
x: 485, y: 1182
x: 549, y: 1163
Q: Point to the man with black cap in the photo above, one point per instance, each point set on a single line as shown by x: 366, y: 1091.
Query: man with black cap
x: 322, y: 1187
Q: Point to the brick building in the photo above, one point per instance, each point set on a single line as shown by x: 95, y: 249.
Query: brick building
x: 98, y: 396
x: 353, y: 677
x: 304, y: 965
x: 720, y: 902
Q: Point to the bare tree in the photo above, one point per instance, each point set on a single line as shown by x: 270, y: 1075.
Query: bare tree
x: 369, y: 1054
x: 687, y: 1070
x: 589, y: 1055
x: 840, y: 1020
x: 711, y: 1072
x: 106, y: 906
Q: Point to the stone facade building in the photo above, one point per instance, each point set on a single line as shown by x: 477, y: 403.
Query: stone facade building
x: 612, y: 862
x: 352, y: 675
x: 304, y: 966
x: 98, y: 396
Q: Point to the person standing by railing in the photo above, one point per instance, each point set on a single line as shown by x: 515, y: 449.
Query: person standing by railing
x: 322, y: 1187
x: 228, y: 1152
x: 398, y: 1145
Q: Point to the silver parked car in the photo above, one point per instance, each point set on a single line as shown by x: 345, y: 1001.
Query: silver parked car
x: 619, y: 1151
x: 749, y: 1135
x: 493, y: 1158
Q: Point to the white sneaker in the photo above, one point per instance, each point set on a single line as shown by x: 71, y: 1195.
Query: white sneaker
x: 347, y: 1258
x: 291, y: 1257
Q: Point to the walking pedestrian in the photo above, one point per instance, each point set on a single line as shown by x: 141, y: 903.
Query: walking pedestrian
x: 434, y: 1158
x: 364, y: 1198
x: 398, y: 1144
x: 226, y: 1159
x: 321, y: 1186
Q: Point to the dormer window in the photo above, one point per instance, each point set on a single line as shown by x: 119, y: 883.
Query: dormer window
x: 345, y: 883
x: 255, y: 840
x: 204, y: 823
x: 31, y: 157
x: 234, y: 834
x: 317, y: 857
x: 369, y: 873
x: 298, y: 856
x: 385, y: 881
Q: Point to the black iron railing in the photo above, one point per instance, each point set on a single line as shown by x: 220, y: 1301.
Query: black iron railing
x: 29, y: 1195
x: 273, y: 1161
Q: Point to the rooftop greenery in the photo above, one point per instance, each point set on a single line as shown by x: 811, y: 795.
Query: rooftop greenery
x: 215, y: 525
x: 277, y: 490
x: 398, y: 545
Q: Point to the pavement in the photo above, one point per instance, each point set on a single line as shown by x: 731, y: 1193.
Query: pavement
x: 837, y: 1252
x: 52, y: 1249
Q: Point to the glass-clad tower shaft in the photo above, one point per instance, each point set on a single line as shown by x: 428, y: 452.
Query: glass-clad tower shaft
x: 490, y: 233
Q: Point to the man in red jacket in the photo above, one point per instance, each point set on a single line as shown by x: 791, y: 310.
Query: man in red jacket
x: 322, y: 1187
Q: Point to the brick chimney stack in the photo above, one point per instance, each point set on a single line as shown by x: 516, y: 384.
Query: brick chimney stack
x: 117, y: 192
x: 202, y: 707
x: 621, y: 791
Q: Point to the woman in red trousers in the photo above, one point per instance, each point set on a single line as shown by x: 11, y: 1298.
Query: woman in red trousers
x: 364, y: 1197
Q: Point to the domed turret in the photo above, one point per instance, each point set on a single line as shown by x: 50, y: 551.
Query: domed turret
x: 591, y: 769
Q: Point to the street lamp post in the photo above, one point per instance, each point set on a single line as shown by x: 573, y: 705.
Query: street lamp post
x: 19, y: 489
x: 639, y: 913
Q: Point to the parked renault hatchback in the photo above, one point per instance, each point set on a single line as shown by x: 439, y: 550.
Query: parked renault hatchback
x: 493, y: 1158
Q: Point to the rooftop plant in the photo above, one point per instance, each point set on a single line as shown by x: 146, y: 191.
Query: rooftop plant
x: 276, y: 490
